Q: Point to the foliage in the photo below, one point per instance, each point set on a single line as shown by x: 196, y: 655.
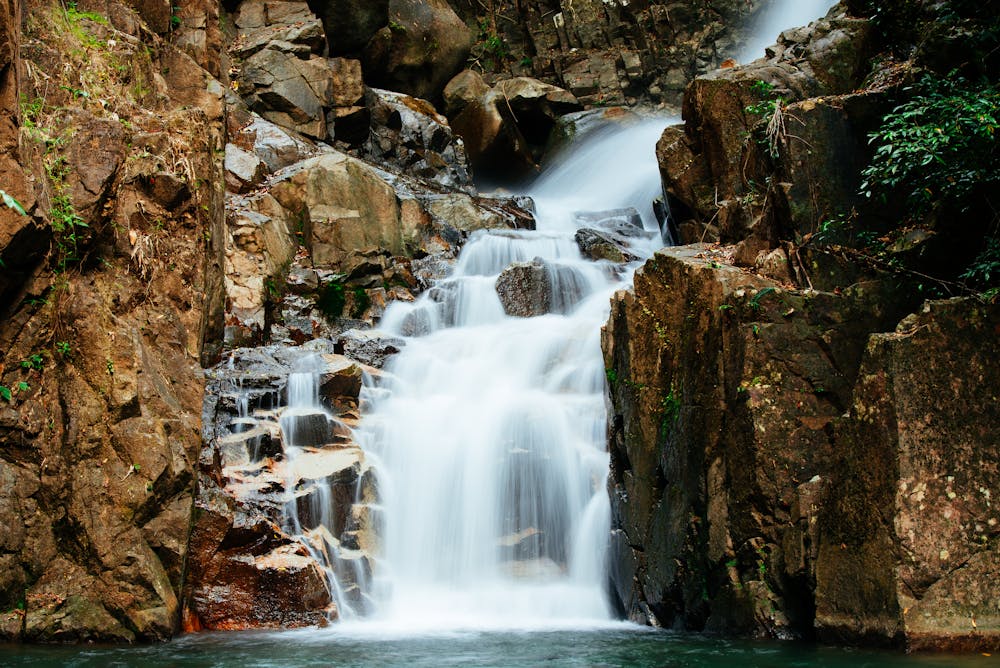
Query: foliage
x: 331, y: 299
x: 361, y: 302
x: 985, y: 269
x: 764, y: 107
x: 670, y: 411
x: 490, y: 50
x: 34, y: 361
x: 771, y: 109
x: 939, y: 148
x: 67, y: 225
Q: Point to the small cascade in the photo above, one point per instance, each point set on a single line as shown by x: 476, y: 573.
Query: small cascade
x: 489, y: 428
x: 284, y: 452
x: 325, y: 481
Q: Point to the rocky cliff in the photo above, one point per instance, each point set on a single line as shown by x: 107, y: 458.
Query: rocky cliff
x: 792, y: 453
x: 183, y: 184
x: 112, y: 141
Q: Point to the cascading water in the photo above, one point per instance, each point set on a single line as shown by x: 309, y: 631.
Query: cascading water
x: 778, y: 17
x: 489, y: 430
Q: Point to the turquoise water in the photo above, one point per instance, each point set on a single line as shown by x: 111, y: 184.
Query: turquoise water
x: 615, y: 648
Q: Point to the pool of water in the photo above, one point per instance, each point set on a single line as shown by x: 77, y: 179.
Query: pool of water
x: 603, y: 648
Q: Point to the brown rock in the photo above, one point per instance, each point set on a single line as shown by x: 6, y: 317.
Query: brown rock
x: 724, y: 388
x: 912, y: 500
x: 424, y: 44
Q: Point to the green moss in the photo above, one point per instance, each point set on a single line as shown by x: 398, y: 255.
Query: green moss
x: 331, y: 298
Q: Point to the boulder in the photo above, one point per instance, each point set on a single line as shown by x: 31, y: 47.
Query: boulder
x: 370, y: 347
x: 508, y: 125
x: 525, y: 289
x: 276, y: 147
x: 424, y: 44
x: 621, y: 222
x: 347, y: 205
x: 244, y: 171
x: 408, y: 134
x: 288, y: 90
x: 340, y: 381
x: 598, y: 245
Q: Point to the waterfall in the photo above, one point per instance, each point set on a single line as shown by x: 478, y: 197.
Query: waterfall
x: 488, y: 431
x: 781, y: 15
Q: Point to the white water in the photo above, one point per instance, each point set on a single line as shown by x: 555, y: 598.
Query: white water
x: 488, y: 431
x: 780, y: 16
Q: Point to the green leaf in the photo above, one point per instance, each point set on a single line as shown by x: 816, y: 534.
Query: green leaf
x: 5, y: 393
x: 12, y: 203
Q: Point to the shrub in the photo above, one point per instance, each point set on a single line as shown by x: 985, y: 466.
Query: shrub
x: 938, y: 149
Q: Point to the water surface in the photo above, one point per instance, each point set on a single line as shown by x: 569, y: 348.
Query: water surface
x: 599, y: 648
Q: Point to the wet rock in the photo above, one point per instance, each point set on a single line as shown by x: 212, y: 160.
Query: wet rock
x: 306, y: 429
x: 424, y: 44
x: 603, y: 246
x: 340, y: 381
x: 407, y: 133
x: 370, y: 347
x: 525, y: 289
x: 620, y: 222
x: 273, y: 584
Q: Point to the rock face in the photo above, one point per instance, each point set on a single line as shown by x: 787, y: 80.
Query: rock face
x: 724, y: 387
x: 919, y: 443
x: 746, y: 500
x: 797, y: 461
x: 609, y: 52
x: 112, y: 299
x: 714, y: 165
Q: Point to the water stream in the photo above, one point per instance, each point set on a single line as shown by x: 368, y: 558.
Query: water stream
x: 488, y: 430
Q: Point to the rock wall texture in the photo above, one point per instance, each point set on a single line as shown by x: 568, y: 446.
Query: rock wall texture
x: 114, y: 290
x: 792, y: 454
x: 782, y: 467
x: 608, y: 52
